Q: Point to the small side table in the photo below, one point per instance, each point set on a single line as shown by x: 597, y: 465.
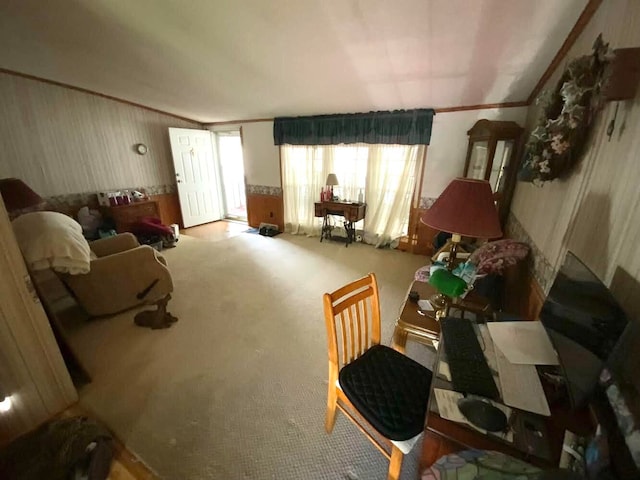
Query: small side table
x: 412, y: 321
x: 422, y: 325
x: 352, y: 213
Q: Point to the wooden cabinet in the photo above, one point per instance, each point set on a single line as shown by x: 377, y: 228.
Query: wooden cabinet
x: 352, y: 212
x: 493, y: 154
x: 419, y: 239
x: 125, y: 216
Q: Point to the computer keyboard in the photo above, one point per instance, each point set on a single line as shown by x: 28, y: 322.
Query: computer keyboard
x: 470, y: 372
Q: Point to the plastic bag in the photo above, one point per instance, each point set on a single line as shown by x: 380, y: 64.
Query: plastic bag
x: 90, y: 220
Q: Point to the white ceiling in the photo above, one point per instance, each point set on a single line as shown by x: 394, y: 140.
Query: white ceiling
x: 217, y: 60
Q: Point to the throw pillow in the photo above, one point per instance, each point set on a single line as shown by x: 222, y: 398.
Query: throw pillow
x: 52, y: 240
x: 494, y: 257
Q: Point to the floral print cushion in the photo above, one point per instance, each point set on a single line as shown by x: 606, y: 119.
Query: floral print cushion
x: 479, y: 464
x: 422, y: 274
x: 494, y: 257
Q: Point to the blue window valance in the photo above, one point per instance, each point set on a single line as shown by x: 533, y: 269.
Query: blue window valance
x: 402, y: 127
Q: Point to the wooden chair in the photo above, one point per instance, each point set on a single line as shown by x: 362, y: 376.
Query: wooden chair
x: 380, y: 390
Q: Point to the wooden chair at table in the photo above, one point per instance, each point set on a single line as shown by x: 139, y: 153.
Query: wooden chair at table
x: 377, y: 388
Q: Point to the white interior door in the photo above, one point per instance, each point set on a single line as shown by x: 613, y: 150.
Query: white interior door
x: 196, y: 175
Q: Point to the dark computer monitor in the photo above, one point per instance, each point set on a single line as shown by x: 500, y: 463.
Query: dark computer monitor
x: 585, y: 324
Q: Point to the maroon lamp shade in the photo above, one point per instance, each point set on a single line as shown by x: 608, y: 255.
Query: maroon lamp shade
x: 17, y: 195
x: 466, y: 207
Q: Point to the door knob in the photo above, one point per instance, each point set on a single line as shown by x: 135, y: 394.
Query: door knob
x: 179, y: 181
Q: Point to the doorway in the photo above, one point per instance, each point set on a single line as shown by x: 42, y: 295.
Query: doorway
x: 196, y: 176
x: 232, y: 173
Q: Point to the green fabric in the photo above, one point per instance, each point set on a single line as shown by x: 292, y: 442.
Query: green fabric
x: 447, y: 283
x: 401, y: 127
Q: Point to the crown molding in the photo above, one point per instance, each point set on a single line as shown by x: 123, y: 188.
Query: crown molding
x: 583, y: 20
x: 98, y: 94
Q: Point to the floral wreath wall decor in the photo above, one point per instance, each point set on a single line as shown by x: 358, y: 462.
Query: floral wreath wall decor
x: 557, y: 142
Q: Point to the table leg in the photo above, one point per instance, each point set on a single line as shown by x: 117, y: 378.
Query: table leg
x: 399, y: 342
x: 326, y: 229
x: 351, y: 232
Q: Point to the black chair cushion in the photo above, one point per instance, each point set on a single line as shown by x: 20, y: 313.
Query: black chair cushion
x: 390, y: 391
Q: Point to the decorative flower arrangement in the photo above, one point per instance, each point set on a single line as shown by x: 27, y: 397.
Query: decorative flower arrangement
x: 557, y: 142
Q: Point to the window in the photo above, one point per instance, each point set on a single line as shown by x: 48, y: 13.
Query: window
x: 385, y: 174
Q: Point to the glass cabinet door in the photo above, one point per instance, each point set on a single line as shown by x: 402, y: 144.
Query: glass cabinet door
x: 478, y: 160
x: 492, y: 155
x: 500, y: 165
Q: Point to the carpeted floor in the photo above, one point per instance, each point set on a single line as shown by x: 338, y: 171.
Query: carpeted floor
x: 237, y: 388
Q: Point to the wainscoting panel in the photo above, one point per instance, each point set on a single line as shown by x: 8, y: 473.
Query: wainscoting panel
x: 420, y: 237
x: 265, y: 208
x: 523, y: 295
x: 169, y: 206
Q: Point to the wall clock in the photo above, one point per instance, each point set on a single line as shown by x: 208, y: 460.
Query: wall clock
x: 141, y: 148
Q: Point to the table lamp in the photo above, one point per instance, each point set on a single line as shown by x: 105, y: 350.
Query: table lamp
x: 465, y: 208
x: 332, y: 180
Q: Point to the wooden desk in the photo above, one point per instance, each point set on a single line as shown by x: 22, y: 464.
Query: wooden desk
x: 444, y: 436
x: 352, y: 213
x: 423, y: 326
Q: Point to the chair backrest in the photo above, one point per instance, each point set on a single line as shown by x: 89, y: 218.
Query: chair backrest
x: 352, y: 314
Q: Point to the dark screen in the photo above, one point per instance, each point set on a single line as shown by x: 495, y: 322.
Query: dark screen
x: 584, y: 323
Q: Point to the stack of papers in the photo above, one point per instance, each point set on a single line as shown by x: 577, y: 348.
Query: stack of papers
x: 523, y: 342
x: 519, y: 347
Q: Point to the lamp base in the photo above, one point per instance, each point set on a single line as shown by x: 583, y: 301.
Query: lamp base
x: 440, y: 303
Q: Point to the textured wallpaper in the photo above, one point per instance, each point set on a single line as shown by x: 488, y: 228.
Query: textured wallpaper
x: 595, y: 212
x: 62, y: 141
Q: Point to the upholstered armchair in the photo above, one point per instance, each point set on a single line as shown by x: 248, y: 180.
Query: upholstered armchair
x: 122, y: 275
x: 106, y: 276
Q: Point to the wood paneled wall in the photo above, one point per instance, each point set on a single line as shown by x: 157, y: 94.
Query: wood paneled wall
x: 169, y: 206
x: 32, y: 370
x: 265, y: 208
x: 595, y: 212
x: 419, y: 239
x: 63, y: 141
x: 522, y: 294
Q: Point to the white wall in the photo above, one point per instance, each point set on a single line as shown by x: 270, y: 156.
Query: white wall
x: 445, y: 157
x: 63, y: 141
x: 261, y: 156
x: 448, y: 149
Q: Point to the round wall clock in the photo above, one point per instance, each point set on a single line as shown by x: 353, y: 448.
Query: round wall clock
x: 141, y: 148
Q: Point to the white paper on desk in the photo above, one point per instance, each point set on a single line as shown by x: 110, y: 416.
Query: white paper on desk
x: 523, y: 342
x: 425, y: 305
x: 521, y: 387
x: 444, y: 370
x: 448, y: 405
x: 448, y: 409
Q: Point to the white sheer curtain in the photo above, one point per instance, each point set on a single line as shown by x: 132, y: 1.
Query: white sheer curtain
x: 391, y: 180
x: 385, y: 174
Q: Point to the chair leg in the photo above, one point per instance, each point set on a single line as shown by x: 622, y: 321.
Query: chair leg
x: 332, y: 404
x: 395, y: 464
